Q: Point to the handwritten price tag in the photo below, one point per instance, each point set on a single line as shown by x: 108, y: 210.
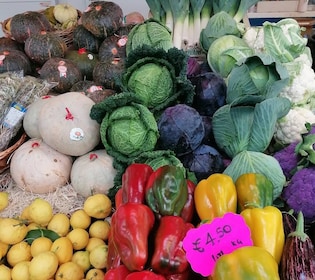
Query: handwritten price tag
x: 205, y: 244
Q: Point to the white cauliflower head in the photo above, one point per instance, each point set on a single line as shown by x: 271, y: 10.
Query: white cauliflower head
x: 254, y: 37
x: 289, y: 128
x: 301, y: 87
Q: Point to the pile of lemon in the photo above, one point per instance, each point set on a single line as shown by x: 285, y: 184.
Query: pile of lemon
x: 42, y: 245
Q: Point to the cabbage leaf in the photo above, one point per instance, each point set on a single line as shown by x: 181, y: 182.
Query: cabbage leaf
x: 283, y: 40
x: 257, y: 76
x: 257, y: 162
x: 248, y: 127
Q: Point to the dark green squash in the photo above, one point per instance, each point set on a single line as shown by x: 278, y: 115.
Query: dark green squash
x: 85, y: 60
x: 108, y: 73
x: 14, y: 60
x: 25, y: 24
x: 102, y: 18
x: 82, y: 38
x: 43, y: 46
x: 64, y: 72
x: 113, y: 47
x: 7, y: 44
x: 94, y: 91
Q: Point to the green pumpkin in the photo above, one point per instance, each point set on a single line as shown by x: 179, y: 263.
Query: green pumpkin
x: 85, y: 60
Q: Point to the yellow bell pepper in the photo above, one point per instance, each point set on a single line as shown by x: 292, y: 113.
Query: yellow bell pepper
x: 246, y: 263
x: 267, y: 231
x: 215, y: 196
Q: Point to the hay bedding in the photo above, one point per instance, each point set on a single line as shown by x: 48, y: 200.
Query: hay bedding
x: 64, y: 200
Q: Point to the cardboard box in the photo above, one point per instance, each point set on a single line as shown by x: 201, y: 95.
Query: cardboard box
x: 281, y: 6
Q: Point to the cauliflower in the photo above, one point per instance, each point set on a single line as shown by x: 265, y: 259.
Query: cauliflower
x: 301, y: 87
x: 254, y: 37
x: 299, y: 194
x: 289, y: 128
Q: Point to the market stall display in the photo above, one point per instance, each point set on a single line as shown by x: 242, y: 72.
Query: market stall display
x: 137, y: 151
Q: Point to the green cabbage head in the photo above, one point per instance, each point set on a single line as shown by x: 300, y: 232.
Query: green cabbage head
x: 128, y: 131
x: 152, y: 83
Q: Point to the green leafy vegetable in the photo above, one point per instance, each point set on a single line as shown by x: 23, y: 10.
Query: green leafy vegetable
x: 157, y: 77
x: 257, y: 76
x: 128, y: 130
x: 151, y: 32
x: 218, y: 25
x: 240, y: 128
x: 257, y: 162
x: 225, y: 52
x: 283, y: 39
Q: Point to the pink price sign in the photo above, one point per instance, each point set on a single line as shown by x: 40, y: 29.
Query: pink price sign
x: 205, y: 244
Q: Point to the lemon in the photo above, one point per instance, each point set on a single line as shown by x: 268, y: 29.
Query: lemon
x: 4, y: 200
x: 12, y: 230
x: 60, y: 224
x: 80, y: 219
x: 43, y: 266
x: 5, y: 272
x: 40, y: 244
x: 40, y: 211
x: 63, y: 249
x: 3, y: 249
x: 98, y: 206
x: 79, y: 238
x: 95, y: 274
x: 19, y: 252
x: 20, y: 271
x: 82, y: 258
x: 99, y: 229
x: 69, y: 271
x: 25, y: 214
x: 98, y: 256
x: 32, y: 226
x: 93, y: 242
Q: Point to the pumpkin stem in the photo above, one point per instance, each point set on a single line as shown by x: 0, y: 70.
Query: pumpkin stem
x: 69, y: 115
x: 93, y: 156
x: 35, y: 145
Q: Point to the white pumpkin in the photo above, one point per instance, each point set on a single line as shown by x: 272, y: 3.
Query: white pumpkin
x: 30, y: 119
x: 93, y: 173
x: 38, y: 168
x: 65, y: 124
x: 65, y: 12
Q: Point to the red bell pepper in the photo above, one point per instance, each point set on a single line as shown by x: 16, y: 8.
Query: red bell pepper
x: 169, y: 256
x: 134, y: 181
x: 189, y: 208
x: 118, y: 198
x: 144, y: 275
x: 181, y: 276
x: 131, y: 224
x: 118, y: 273
x: 113, y: 258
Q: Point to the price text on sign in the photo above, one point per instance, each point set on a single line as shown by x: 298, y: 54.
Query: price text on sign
x: 205, y: 244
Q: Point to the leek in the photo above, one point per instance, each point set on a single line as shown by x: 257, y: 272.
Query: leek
x: 156, y: 9
x: 205, y: 14
x: 180, y: 10
x: 169, y: 22
x: 196, y: 7
x: 243, y: 8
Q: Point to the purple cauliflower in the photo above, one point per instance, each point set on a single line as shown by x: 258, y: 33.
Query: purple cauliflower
x: 288, y: 160
x: 299, y: 194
